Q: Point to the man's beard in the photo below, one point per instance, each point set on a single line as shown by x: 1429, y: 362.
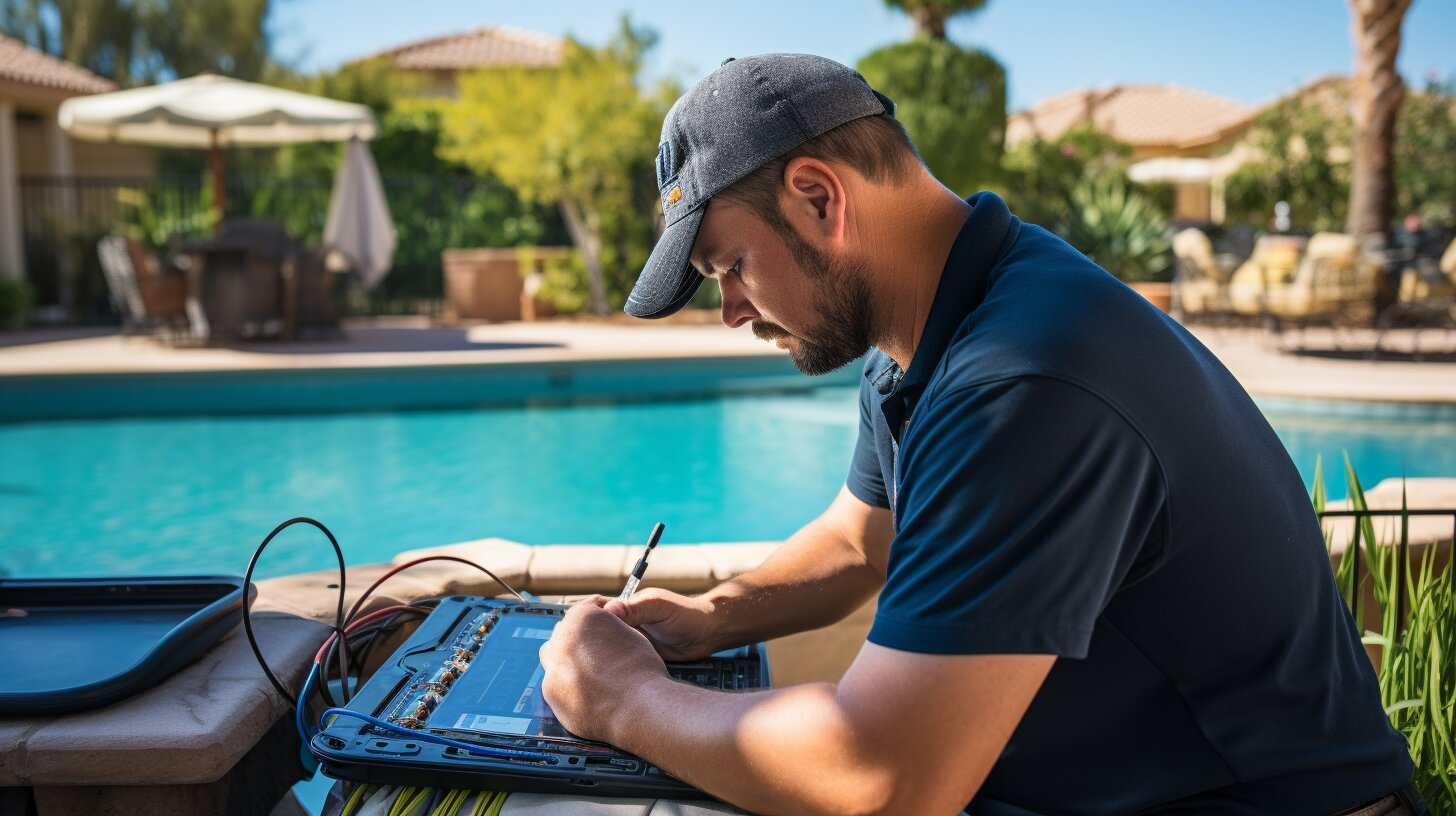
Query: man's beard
x: 845, y: 326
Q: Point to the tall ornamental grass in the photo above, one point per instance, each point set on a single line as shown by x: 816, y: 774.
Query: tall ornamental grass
x: 1415, y: 604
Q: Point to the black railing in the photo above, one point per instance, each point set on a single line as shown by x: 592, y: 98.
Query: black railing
x: 64, y: 217
x: 1403, y: 545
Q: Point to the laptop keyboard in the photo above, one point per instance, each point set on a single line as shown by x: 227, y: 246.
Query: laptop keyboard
x: 718, y: 674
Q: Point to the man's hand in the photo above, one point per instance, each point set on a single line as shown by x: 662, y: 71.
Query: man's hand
x: 591, y: 658
x: 681, y: 628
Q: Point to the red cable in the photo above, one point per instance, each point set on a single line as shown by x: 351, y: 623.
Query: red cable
x: 406, y: 565
x: 369, y: 618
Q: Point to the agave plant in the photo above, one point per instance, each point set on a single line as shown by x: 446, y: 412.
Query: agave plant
x: 1120, y: 229
x: 1417, y: 640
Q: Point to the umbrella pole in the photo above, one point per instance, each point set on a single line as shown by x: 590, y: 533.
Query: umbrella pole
x: 219, y: 187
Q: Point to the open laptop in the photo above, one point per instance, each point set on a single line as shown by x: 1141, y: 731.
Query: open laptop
x: 470, y: 677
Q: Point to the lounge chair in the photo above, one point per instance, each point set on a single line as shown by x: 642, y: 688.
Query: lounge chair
x: 1334, y: 282
x: 1200, y: 286
x: 1272, y: 264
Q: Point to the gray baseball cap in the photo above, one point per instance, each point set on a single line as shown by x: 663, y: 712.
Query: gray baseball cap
x: 745, y: 114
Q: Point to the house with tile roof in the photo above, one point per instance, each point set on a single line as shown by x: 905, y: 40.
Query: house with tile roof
x: 437, y: 60
x: 1157, y: 122
x: 35, y: 151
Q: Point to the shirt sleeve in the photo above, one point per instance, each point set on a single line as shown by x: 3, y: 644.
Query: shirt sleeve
x: 866, y: 478
x: 1022, y: 506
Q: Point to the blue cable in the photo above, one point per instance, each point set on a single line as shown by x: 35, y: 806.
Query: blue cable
x: 299, y: 718
x: 425, y: 736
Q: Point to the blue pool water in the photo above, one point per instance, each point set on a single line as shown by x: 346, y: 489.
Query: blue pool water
x: 196, y: 494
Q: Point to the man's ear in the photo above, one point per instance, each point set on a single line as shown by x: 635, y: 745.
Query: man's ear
x: 813, y: 200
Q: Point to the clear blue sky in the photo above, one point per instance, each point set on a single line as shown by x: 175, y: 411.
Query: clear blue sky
x: 1250, y: 50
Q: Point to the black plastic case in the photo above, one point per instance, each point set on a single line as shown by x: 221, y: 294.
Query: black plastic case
x: 356, y: 751
x: 73, y: 644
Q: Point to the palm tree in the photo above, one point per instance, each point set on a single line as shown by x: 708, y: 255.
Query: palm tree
x: 1378, y: 91
x: 929, y: 16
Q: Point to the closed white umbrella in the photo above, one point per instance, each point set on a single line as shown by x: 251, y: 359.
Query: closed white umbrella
x: 359, y: 227
x: 214, y: 112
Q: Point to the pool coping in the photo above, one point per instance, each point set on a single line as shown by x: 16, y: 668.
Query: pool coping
x: 1255, y: 358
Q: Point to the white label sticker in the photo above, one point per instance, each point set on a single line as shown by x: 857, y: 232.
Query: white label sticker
x: 534, y: 634
x: 493, y: 724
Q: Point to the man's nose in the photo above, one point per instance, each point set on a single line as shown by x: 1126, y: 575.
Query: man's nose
x: 737, y: 309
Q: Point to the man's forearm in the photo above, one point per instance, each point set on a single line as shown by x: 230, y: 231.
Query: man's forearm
x: 786, y: 751
x: 816, y: 578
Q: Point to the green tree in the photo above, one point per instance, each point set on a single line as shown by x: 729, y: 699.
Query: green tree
x: 580, y: 137
x: 135, y: 42
x: 952, y: 100
x: 101, y: 35
x: 435, y: 204
x: 1040, y: 174
x: 1425, y: 141
x: 1300, y: 153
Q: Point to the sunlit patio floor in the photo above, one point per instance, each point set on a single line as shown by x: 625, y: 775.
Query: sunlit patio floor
x: 1317, y: 364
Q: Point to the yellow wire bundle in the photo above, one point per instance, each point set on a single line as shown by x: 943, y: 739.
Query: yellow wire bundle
x: 410, y: 801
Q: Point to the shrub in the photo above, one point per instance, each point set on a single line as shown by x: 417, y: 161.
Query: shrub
x: 1120, y: 229
x: 952, y: 102
x: 1417, y: 663
x: 16, y: 301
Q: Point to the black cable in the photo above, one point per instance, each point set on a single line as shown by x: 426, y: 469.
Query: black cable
x: 393, y: 623
x: 372, y: 631
x: 247, y: 608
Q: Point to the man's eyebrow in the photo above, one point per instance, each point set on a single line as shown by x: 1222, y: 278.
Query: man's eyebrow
x: 703, y: 265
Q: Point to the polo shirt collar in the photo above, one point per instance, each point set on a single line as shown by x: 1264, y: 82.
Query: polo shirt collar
x: 977, y: 248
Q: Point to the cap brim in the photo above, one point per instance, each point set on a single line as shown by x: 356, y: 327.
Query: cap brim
x: 668, y: 281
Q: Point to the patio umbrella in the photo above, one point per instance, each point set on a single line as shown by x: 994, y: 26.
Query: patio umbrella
x: 214, y: 112
x: 359, y: 227
x: 1186, y: 170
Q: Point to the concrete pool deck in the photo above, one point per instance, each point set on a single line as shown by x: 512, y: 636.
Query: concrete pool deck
x: 1264, y: 363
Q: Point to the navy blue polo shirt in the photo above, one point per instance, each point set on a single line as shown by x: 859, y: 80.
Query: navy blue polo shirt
x: 1072, y: 473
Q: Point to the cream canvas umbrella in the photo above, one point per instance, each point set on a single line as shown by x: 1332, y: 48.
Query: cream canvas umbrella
x: 1187, y: 170
x: 213, y: 112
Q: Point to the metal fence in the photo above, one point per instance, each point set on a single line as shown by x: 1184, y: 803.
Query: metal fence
x: 64, y: 217
x: 1358, y: 541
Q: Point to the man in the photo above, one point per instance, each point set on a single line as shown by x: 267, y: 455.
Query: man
x: 1102, y: 586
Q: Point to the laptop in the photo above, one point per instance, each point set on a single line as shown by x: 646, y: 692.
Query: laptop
x: 459, y: 705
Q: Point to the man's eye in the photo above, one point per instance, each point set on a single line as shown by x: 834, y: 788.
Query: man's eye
x: 737, y: 269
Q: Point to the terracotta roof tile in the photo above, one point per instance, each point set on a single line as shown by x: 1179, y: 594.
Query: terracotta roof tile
x: 1139, y: 115
x: 497, y: 47
x: 21, y: 63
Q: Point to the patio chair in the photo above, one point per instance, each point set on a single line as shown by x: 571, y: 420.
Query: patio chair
x: 149, y: 298
x: 1427, y: 279
x: 309, y: 296
x: 1200, y: 286
x: 1272, y: 263
x: 1335, y: 282
x: 1427, y: 299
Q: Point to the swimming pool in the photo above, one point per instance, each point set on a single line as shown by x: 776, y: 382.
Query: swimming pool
x: 194, y: 494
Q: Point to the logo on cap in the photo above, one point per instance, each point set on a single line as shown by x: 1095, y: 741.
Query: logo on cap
x: 665, y: 173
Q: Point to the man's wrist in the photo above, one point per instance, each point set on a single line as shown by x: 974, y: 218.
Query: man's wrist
x: 720, y: 601
x: 632, y: 717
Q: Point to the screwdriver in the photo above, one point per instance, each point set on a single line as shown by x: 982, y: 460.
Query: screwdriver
x: 641, y: 567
